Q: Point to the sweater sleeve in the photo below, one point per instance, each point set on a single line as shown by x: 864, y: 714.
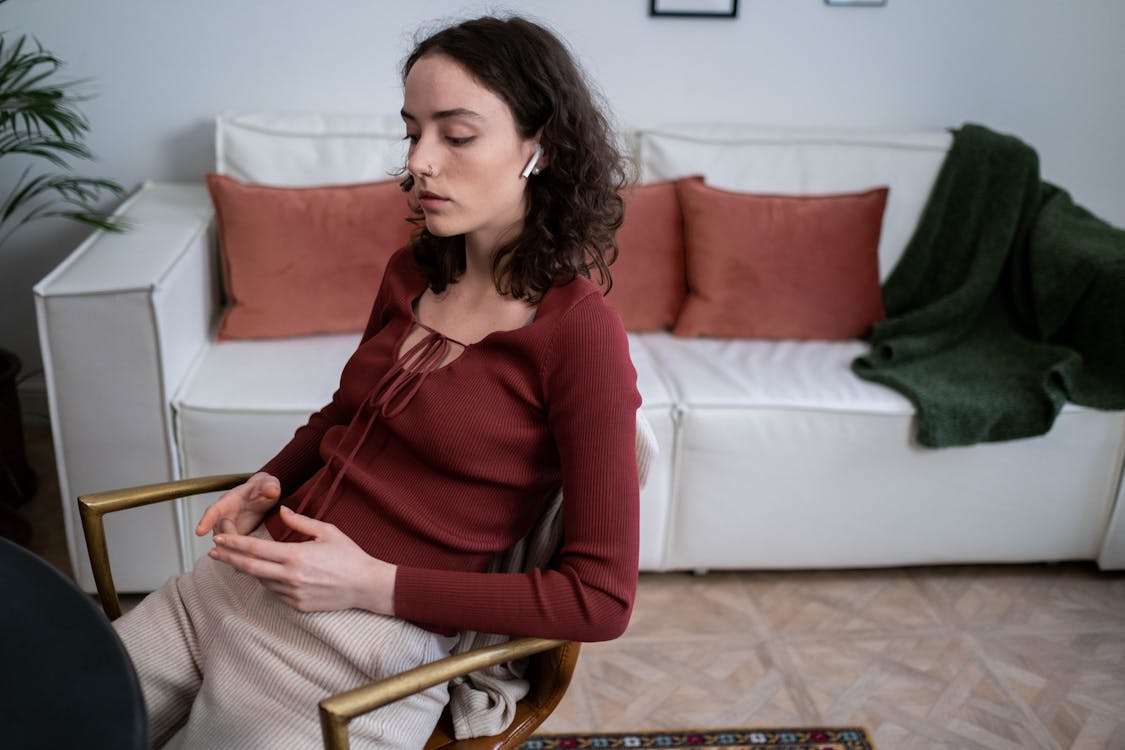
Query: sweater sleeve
x: 590, y: 387
x: 300, y: 458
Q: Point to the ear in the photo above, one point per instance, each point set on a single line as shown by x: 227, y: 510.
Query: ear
x: 537, y: 140
x: 534, y: 163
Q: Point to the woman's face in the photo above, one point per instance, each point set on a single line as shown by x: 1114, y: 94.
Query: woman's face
x: 466, y: 154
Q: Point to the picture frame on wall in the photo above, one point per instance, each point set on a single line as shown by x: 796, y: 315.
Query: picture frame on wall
x: 693, y: 8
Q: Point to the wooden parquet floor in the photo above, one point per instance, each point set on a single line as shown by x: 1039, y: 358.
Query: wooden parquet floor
x: 982, y: 657
x: 975, y: 657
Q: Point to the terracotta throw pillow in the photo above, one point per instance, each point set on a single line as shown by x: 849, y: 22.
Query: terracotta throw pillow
x: 648, y: 276
x: 300, y: 261
x: 778, y: 266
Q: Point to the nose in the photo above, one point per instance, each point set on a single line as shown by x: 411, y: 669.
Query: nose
x: 420, y: 157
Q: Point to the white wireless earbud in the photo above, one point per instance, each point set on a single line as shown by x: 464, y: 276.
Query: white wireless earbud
x: 533, y: 161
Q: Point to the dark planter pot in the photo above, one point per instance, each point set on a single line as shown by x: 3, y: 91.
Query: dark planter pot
x: 17, y: 481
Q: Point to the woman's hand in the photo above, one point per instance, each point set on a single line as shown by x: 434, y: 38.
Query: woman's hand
x: 329, y: 572
x: 244, y: 506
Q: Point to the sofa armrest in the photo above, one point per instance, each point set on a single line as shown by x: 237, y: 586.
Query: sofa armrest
x: 121, y: 321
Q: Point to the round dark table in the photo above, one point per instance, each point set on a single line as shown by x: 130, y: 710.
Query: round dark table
x: 65, y: 679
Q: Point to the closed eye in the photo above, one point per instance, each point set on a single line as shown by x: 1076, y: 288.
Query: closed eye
x: 451, y: 140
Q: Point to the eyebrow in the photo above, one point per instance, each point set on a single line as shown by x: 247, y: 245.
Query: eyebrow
x: 446, y: 114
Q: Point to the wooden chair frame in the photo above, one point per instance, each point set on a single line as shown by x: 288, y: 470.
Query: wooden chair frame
x: 337, y: 710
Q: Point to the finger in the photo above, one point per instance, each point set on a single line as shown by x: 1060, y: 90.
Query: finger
x: 216, y: 510
x: 263, y: 484
x: 288, y: 599
x: 264, y: 549
x: 281, y: 589
x: 265, y: 570
x: 270, y: 487
x: 305, y: 525
x: 211, y: 520
x: 207, y: 520
x: 293, y: 599
x: 226, y: 526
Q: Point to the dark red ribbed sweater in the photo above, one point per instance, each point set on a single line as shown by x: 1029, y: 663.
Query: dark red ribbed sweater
x: 443, y: 469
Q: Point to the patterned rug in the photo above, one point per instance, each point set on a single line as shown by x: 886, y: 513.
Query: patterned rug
x: 808, y: 738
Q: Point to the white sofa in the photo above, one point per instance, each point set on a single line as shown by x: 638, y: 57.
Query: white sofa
x: 773, y: 454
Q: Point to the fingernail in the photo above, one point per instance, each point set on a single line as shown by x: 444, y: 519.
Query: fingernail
x: 220, y: 539
x: 214, y: 554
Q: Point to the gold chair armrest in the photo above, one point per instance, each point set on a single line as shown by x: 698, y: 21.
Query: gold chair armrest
x: 92, y: 507
x: 337, y: 710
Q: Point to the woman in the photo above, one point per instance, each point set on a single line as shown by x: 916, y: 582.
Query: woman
x: 491, y: 371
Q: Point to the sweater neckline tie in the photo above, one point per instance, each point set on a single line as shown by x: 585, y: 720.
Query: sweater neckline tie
x: 397, y: 387
x: 390, y: 396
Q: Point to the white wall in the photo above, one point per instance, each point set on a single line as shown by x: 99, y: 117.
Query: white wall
x: 1048, y: 70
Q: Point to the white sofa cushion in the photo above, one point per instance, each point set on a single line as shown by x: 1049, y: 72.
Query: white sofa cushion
x: 301, y: 149
x: 293, y: 374
x: 799, y: 162
x: 777, y: 487
x: 764, y: 373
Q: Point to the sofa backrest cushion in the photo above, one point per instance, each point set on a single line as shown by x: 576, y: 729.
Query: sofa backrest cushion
x: 648, y: 276
x: 303, y: 149
x: 780, y: 267
x: 300, y: 261
x: 786, y: 161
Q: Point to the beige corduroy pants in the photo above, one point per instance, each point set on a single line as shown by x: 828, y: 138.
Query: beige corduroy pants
x: 231, y: 666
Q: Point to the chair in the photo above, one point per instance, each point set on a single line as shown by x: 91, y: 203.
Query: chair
x: 549, y: 672
x: 550, y: 668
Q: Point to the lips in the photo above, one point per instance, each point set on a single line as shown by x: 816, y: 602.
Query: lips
x: 430, y: 199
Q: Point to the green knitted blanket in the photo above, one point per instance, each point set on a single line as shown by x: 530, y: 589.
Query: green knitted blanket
x: 1008, y: 301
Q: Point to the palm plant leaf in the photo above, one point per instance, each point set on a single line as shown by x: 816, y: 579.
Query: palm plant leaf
x: 40, y: 196
x: 51, y: 149
x: 39, y: 119
x: 29, y: 103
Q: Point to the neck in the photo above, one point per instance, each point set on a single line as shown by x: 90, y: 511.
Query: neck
x: 479, y: 254
x: 477, y: 278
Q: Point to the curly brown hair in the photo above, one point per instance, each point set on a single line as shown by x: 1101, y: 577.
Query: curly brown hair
x: 574, y: 206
